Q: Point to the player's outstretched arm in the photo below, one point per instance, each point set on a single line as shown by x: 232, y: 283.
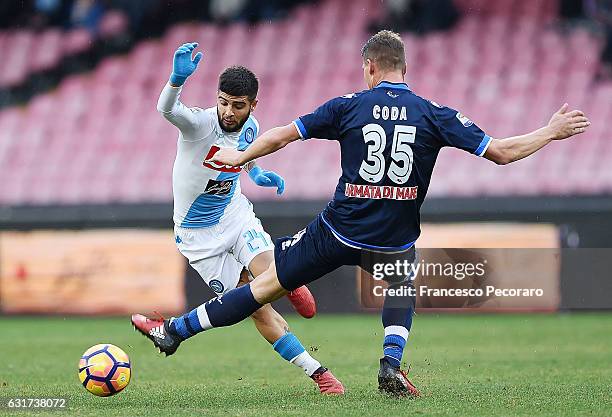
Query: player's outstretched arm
x: 168, y: 104
x: 562, y: 125
x: 271, y: 141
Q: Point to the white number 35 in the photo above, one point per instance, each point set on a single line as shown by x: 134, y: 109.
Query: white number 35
x: 373, y: 167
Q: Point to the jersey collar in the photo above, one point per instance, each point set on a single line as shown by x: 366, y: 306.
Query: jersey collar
x: 389, y: 84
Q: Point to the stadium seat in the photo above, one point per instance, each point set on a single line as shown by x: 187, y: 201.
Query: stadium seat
x: 113, y: 23
x: 48, y: 48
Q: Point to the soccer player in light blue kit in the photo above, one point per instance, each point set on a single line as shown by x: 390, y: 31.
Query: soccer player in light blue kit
x: 215, y: 226
x: 389, y: 139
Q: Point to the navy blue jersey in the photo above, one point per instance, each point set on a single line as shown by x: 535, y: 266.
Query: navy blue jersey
x: 389, y: 139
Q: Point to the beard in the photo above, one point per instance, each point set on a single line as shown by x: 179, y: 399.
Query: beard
x: 234, y: 129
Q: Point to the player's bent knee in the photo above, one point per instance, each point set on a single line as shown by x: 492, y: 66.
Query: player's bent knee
x: 266, y: 287
x: 261, y: 263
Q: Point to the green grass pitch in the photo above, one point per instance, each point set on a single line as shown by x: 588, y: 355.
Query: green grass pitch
x: 465, y: 365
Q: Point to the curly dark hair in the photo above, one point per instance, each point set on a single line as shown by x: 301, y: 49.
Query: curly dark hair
x: 239, y: 81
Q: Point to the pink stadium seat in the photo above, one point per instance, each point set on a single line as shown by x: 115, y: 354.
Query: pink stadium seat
x: 48, y: 49
x: 76, y: 41
x: 113, y: 23
x: 14, y: 70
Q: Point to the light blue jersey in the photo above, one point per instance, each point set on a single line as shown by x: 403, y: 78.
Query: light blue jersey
x: 203, y: 192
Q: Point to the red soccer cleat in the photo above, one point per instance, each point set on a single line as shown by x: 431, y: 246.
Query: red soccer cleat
x: 156, y: 330
x: 303, y: 302
x: 328, y: 383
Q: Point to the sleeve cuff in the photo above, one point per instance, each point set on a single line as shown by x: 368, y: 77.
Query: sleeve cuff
x: 301, y: 129
x: 168, y: 98
x: 484, y: 144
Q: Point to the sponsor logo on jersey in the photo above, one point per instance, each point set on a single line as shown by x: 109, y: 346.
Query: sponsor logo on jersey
x: 379, y: 192
x: 216, y: 286
x: 464, y: 120
x: 215, y: 187
x: 249, y: 135
x: 216, y: 166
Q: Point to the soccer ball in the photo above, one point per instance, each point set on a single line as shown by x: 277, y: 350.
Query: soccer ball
x: 104, y: 370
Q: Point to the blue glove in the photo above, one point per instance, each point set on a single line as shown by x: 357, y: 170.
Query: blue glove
x: 265, y: 178
x: 183, y: 66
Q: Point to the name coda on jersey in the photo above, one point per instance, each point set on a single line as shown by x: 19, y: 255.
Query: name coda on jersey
x: 389, y: 112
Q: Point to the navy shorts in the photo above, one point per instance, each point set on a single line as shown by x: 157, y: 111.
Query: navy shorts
x: 315, y: 251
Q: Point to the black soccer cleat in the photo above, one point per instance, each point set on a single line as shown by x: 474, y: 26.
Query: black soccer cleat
x: 394, y: 381
x: 156, y: 330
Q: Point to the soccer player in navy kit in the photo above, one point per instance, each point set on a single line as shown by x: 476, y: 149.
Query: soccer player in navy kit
x: 389, y: 139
